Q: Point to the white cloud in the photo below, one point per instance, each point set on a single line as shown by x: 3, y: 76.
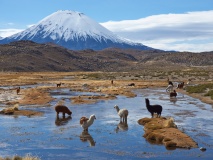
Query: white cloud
x: 191, y: 31
x: 9, y: 32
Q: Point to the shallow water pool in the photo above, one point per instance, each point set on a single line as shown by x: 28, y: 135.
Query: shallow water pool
x: 51, y: 138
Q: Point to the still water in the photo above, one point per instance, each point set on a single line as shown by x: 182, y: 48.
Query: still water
x: 53, y: 139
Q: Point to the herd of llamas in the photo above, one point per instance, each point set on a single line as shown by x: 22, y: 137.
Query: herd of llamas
x: 122, y: 113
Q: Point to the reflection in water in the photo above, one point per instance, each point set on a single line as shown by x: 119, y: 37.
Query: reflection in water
x: 85, y: 136
x: 155, y: 142
x: 173, y: 100
x: 122, y: 126
x: 62, y: 121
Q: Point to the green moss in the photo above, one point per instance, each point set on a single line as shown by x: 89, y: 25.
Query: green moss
x: 199, y: 88
x: 209, y: 93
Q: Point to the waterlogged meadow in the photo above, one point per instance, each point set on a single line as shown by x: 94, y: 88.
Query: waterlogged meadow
x: 49, y: 137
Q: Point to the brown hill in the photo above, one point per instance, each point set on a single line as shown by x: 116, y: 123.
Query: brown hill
x: 30, y: 56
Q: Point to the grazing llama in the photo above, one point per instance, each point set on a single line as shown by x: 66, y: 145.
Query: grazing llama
x: 18, y: 90
x: 63, y: 109
x: 58, y: 85
x: 87, y: 122
x: 123, y: 113
x: 153, y: 108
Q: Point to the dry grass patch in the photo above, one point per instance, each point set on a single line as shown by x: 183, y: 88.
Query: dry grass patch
x: 164, y: 131
x: 90, y: 99
x: 27, y: 157
x: 15, y: 111
x: 35, y: 96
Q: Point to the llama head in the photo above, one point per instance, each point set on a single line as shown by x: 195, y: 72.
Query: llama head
x: 147, y: 100
x: 116, y: 107
x: 69, y: 112
x: 92, y: 117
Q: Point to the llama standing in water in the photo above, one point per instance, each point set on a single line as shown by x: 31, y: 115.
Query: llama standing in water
x: 153, y: 108
x: 123, y: 113
x: 87, y: 122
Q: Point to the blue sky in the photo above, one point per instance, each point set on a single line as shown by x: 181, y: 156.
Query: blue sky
x: 165, y: 24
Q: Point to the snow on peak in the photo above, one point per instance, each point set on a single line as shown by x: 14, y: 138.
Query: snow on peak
x: 67, y: 25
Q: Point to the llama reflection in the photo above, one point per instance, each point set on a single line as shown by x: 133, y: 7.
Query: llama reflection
x: 62, y: 121
x: 86, y: 137
x: 122, y: 126
x: 173, y: 100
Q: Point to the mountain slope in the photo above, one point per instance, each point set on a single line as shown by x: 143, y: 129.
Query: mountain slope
x: 75, y: 31
x: 31, y: 56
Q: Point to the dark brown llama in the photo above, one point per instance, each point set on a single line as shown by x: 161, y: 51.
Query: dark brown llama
x: 59, y: 84
x: 173, y: 94
x: 153, y: 108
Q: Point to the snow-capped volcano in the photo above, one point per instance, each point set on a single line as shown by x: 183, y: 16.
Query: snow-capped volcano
x: 73, y: 30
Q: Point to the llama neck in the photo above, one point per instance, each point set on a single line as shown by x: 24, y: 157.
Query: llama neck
x: 90, y: 121
x: 117, y: 109
x: 147, y: 104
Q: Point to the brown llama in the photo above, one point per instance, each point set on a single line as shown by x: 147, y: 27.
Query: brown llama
x: 18, y: 90
x: 63, y: 109
x: 58, y: 84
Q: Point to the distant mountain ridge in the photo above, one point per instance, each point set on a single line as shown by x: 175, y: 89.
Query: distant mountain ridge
x: 73, y: 30
x: 34, y: 57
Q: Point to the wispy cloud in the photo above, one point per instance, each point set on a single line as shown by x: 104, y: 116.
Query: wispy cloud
x: 9, y: 32
x: 191, y: 31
